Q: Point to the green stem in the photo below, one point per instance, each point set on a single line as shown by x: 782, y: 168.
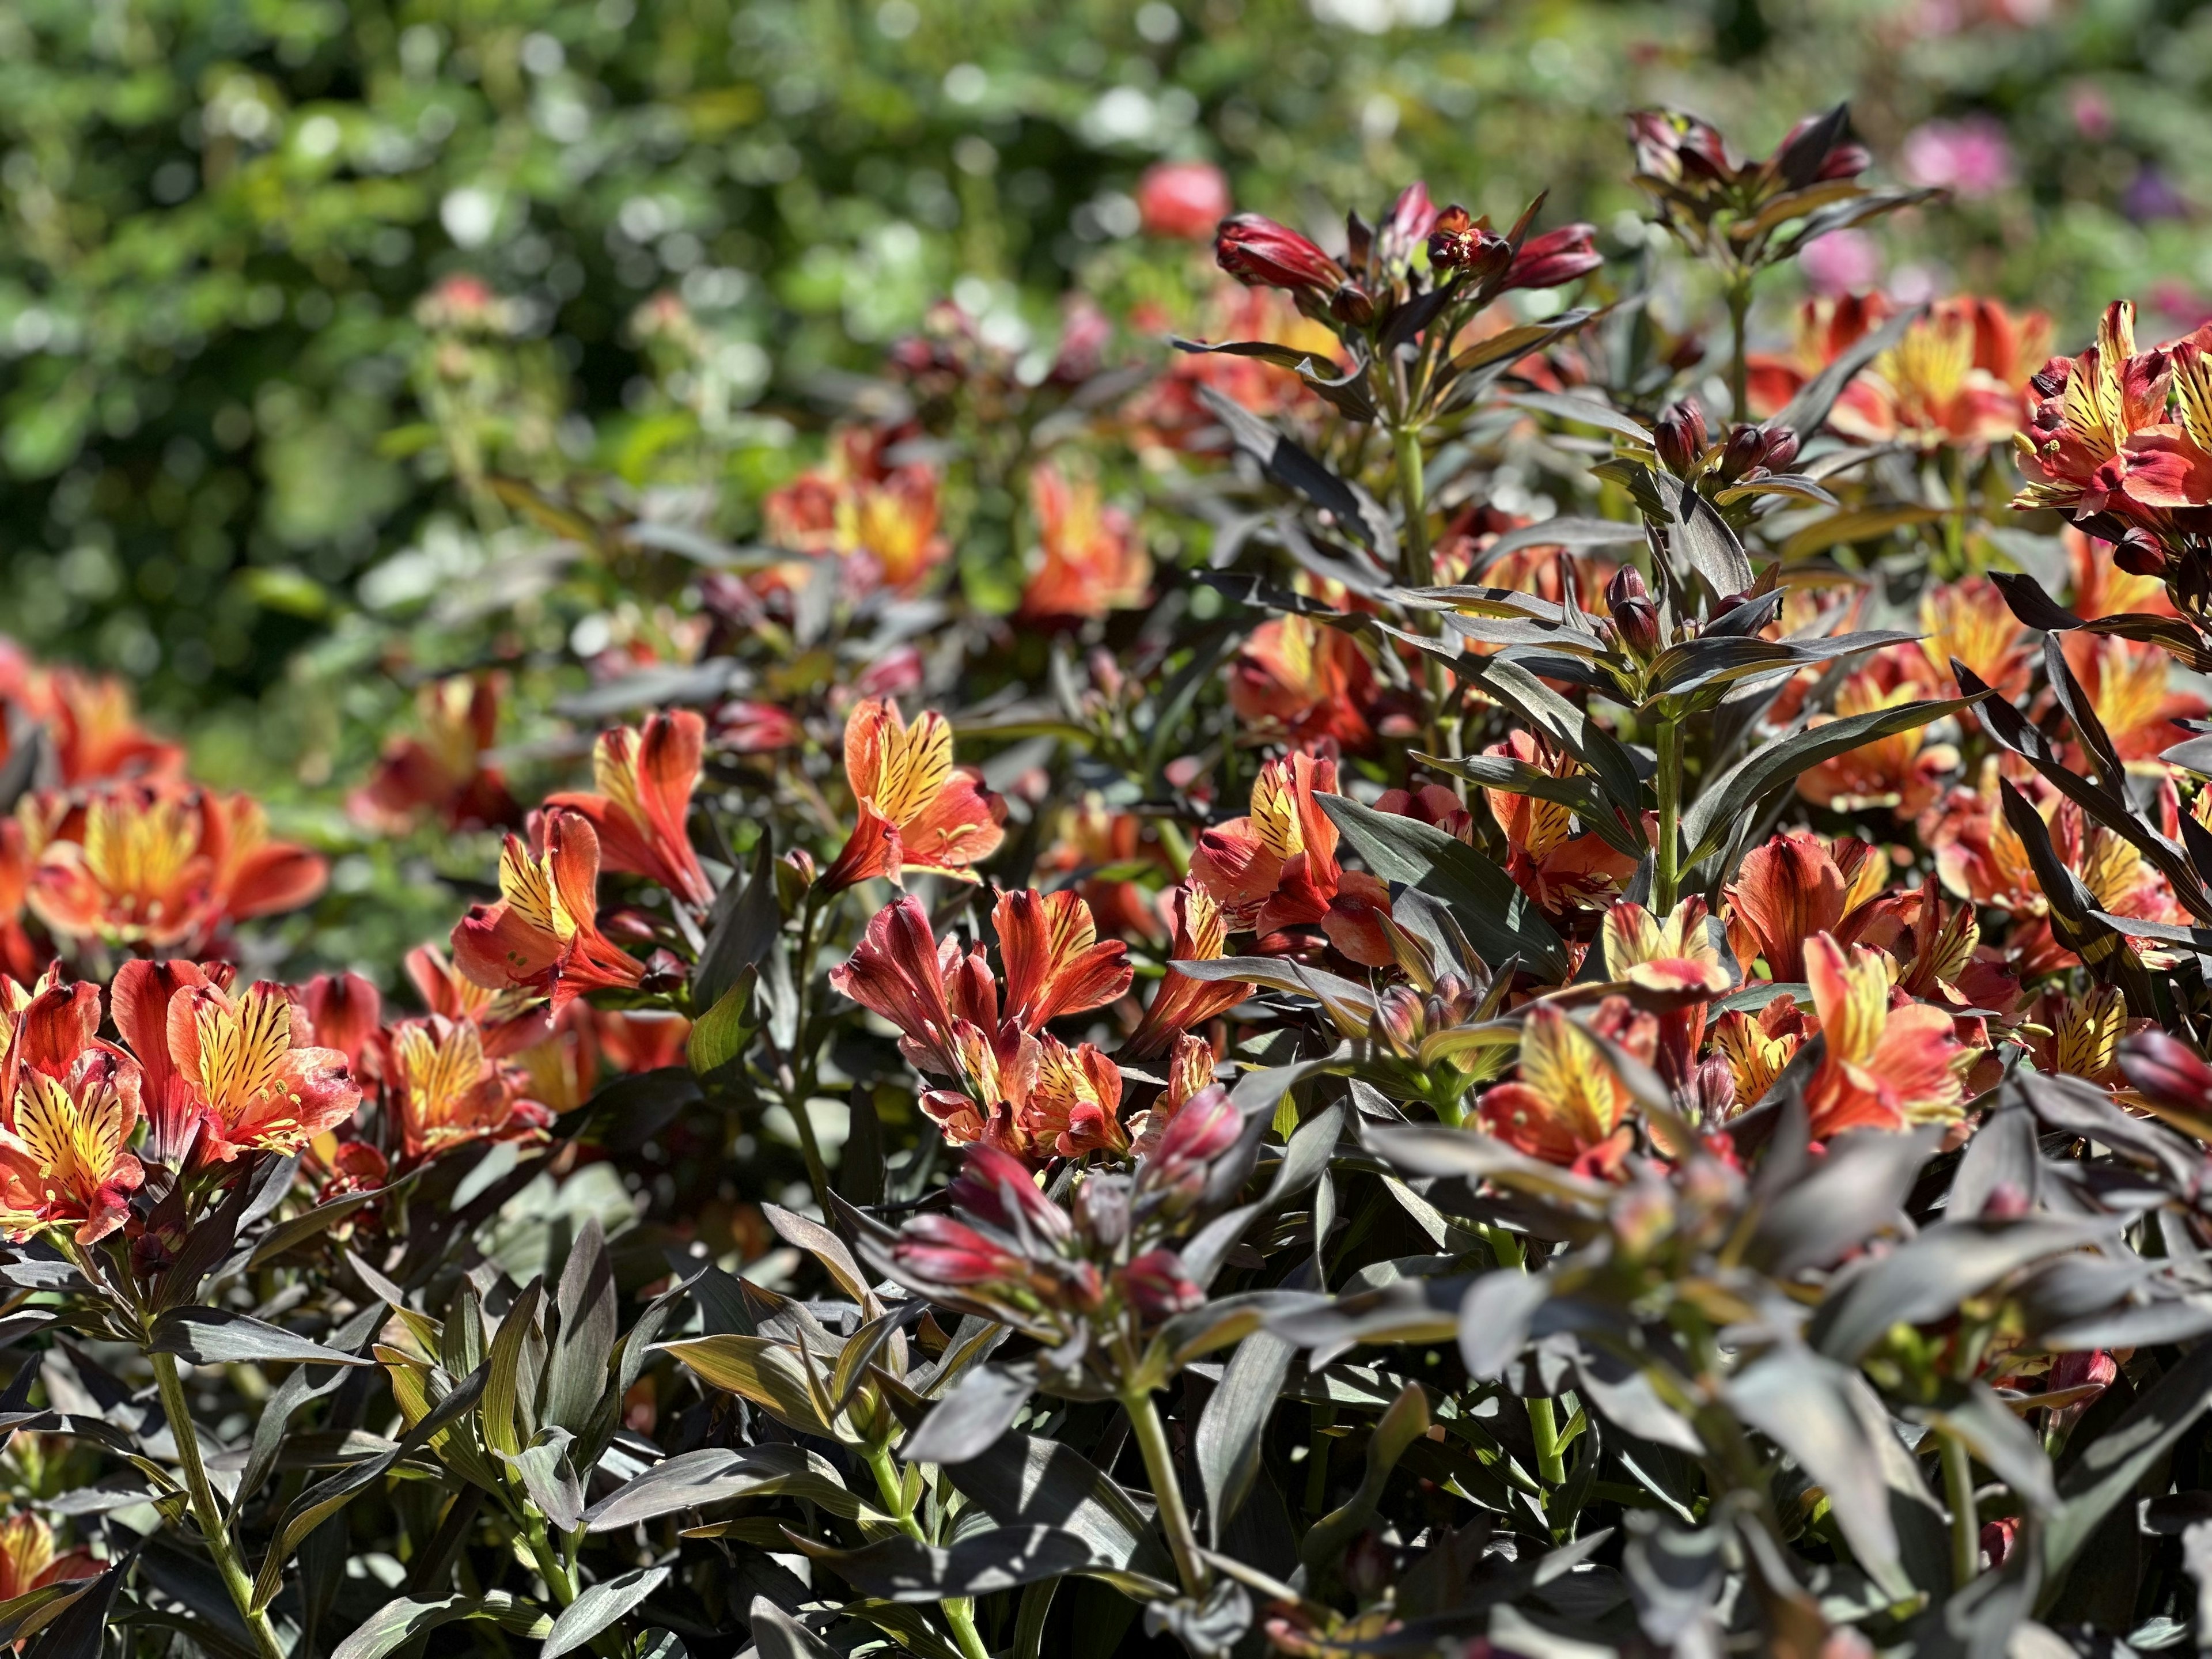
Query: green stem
x: 1739, y: 310
x: 1965, y: 1521
x: 1544, y: 1428
x: 1665, y: 874
x: 205, y: 1509
x: 960, y: 1611
x: 1413, y: 497
x: 550, y: 1565
x: 1160, y: 1467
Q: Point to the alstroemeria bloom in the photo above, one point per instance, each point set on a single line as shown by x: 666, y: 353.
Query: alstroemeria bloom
x: 2129, y: 685
x: 442, y: 771
x: 28, y: 1561
x: 1185, y: 200
x: 145, y: 865
x: 543, y: 935
x: 1055, y: 962
x: 1676, y: 969
x: 1569, y: 1106
x: 646, y: 775
x: 1568, y: 876
x: 71, y: 1106
x: 1074, y: 1102
x: 1757, y: 1050
x: 1094, y: 560
x: 510, y: 1019
x: 1261, y: 254
x: 445, y: 1092
x: 91, y: 723
x: 1798, y: 885
x: 1190, y: 1073
x: 1970, y: 620
x: 1277, y: 868
x: 140, y: 998
x: 1556, y: 257
x: 2080, y: 1036
x: 917, y: 810
x: 259, y: 1087
x: 2086, y: 410
x: 1093, y: 837
x: 1302, y: 681
x: 1182, y: 1001
x: 1886, y: 1066
x: 881, y: 518
x: 1902, y: 772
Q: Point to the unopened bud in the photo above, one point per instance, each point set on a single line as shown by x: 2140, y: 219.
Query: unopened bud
x: 1743, y: 453
x: 1781, y: 449
x: 1350, y: 304
x: 794, y: 874
x: 1634, y: 618
x: 1679, y: 437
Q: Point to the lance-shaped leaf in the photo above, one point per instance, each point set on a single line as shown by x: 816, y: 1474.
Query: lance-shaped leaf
x: 1474, y: 370
x: 1405, y: 1421
x: 396, y: 1624
x: 2111, y: 1466
x: 2005, y: 1445
x: 1005, y: 1558
x: 1587, y: 411
x: 1570, y: 727
x: 1351, y: 1006
x: 1803, y: 1403
x: 1928, y: 1277
x: 969, y: 1420
x: 2034, y: 606
x: 1499, y: 919
x: 1702, y: 539
x: 766, y: 1372
x: 714, y: 1474
x: 1423, y: 1309
x: 1726, y: 659
x: 1578, y: 792
x: 584, y: 1341
x: 1355, y: 510
x: 598, y: 1608
x: 1841, y: 1201
x: 744, y: 923
x: 1346, y: 393
x: 1227, y: 1442
x: 1734, y: 794
x: 216, y: 1336
x: 1023, y: 1482
x: 1568, y: 533
x: 2073, y: 911
x: 777, y: 1635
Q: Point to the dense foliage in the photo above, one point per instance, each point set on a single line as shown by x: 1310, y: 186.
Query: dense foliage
x: 1474, y: 969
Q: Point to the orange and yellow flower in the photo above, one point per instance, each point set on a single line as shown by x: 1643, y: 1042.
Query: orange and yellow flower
x: 1182, y: 1002
x: 881, y: 518
x: 646, y: 775
x: 259, y: 1086
x: 442, y: 773
x: 1970, y: 620
x: 918, y: 813
x: 1569, y: 1106
x: 1299, y: 681
x: 446, y: 1091
x: 1093, y: 559
x: 1675, y: 968
x: 1571, y: 877
x: 1889, y: 1062
x: 71, y: 1105
x: 28, y: 1560
x: 542, y: 935
x: 1902, y: 772
x: 1798, y: 886
x: 1276, y: 867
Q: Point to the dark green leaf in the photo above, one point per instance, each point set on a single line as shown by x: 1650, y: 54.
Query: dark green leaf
x: 597, y: 1608
x: 216, y: 1336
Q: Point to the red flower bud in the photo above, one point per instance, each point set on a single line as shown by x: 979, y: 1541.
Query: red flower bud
x: 1743, y: 453
x: 1556, y: 256
x: 1679, y: 435
x: 1781, y: 448
x: 2139, y: 553
x: 943, y: 1251
x: 998, y: 1188
x: 1261, y: 253
x: 1157, y: 1286
x: 2167, y: 1070
x: 1206, y: 1127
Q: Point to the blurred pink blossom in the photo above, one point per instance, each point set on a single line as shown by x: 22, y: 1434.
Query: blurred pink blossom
x: 1971, y: 157
x: 1842, y: 262
x: 2093, y: 113
x: 1183, y: 199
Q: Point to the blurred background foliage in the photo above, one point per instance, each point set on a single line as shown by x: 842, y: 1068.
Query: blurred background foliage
x: 220, y: 418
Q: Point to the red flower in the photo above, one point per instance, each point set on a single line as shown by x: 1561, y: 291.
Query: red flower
x: 1303, y: 682
x: 257, y: 1083
x: 1889, y: 1061
x: 443, y: 771
x: 645, y: 776
x: 1796, y: 886
x: 1055, y: 962
x: 1157, y: 1286
x: 1261, y: 253
x: 70, y: 1106
x: 1182, y: 1002
x: 1565, y: 873
x: 1184, y: 200
x: 446, y: 1091
x: 1569, y: 1105
x: 28, y: 1561
x: 1556, y: 257
x: 542, y: 935
x: 141, y: 997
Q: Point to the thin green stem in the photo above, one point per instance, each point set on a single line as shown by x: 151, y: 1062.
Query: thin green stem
x: 1965, y: 1520
x: 960, y: 1611
x: 1544, y: 1429
x: 1739, y: 310
x: 551, y: 1567
x: 1665, y: 872
x: 1167, y: 1491
x: 205, y: 1509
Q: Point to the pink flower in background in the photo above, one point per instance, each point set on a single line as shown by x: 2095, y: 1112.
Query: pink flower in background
x: 1971, y: 157
x: 1184, y: 200
x: 2093, y: 113
x: 1842, y: 262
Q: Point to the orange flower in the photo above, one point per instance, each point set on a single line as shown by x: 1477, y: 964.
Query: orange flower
x: 1675, y: 967
x: 917, y: 810
x: 645, y: 777
x: 881, y: 518
x: 258, y: 1084
x: 1756, y: 1050
x: 28, y: 1561
x: 155, y: 866
x: 20, y: 955
x: 1298, y: 681
x: 91, y: 725
x: 900, y: 971
x: 2128, y: 683
x: 1094, y: 560
x: 1903, y: 772
x: 1182, y: 1002
x: 639, y: 1040
x: 1970, y: 620
x: 1054, y: 962
x: 1887, y: 1064
x: 71, y: 1106
x: 1276, y: 867
x: 1565, y: 873
x: 446, y: 1091
x: 1093, y: 837
x: 2080, y: 1037
x: 1956, y: 378
x: 2086, y: 415
x: 1568, y: 1106
x: 2101, y: 588
x: 510, y: 1020
x: 140, y: 999
x: 1796, y: 886
x: 1074, y: 1104
x: 544, y: 933
x: 443, y: 771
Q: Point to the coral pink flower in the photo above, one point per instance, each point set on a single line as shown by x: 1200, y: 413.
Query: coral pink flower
x: 646, y: 775
x: 917, y: 810
x: 542, y: 935
x: 140, y: 998
x: 1182, y: 200
x: 1889, y: 1062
